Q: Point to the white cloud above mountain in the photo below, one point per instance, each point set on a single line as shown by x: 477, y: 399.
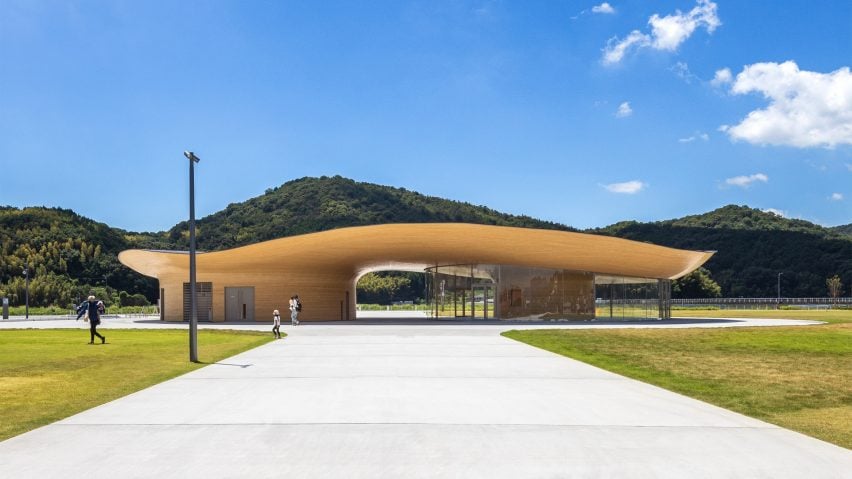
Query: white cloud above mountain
x: 806, y: 109
x: 746, y: 180
x: 626, y: 188
x: 667, y: 33
x: 776, y: 212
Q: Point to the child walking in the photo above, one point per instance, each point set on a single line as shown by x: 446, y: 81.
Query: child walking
x: 276, y: 323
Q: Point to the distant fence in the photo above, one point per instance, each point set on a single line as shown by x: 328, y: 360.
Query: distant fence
x: 763, y: 303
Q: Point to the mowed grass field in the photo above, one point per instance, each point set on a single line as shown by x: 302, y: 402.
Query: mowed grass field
x: 50, y: 374
x: 829, y: 316
x: 798, y: 377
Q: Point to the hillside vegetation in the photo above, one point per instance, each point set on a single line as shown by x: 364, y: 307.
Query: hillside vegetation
x: 843, y: 229
x: 752, y: 248
x: 309, y: 205
x: 70, y: 255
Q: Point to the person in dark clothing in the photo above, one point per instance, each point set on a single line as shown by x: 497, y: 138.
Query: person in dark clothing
x: 82, y: 310
x: 94, y: 308
x: 276, y: 324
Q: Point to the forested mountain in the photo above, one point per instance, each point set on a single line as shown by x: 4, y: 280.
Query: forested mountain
x: 70, y: 254
x: 309, y: 205
x: 843, y: 229
x: 67, y: 254
x: 752, y: 248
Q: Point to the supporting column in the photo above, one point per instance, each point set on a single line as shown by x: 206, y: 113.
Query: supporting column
x: 472, y: 295
x: 433, y: 301
x: 664, y: 287
x: 464, y: 304
x: 498, y: 308
x: 611, y: 298
x: 668, y: 299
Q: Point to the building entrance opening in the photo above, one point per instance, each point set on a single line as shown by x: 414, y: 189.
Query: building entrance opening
x: 379, y: 294
x: 239, y: 303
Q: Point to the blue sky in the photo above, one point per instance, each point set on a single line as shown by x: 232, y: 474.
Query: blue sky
x: 583, y: 113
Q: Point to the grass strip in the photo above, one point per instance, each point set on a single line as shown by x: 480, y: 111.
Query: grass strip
x: 50, y: 374
x: 828, y: 315
x: 798, y: 377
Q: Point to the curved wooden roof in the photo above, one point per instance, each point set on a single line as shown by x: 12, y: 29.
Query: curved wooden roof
x: 414, y: 247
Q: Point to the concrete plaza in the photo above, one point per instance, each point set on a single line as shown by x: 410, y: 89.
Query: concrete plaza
x: 412, y: 399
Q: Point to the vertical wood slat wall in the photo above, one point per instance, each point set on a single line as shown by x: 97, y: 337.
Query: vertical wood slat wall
x: 321, y: 295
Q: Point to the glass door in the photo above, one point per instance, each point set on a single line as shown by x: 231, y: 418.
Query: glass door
x: 482, y: 301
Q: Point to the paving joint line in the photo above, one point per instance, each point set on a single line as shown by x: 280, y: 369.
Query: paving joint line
x: 288, y: 424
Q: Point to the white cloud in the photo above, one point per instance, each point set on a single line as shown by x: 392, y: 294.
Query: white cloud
x: 627, y: 188
x: 603, y: 8
x: 681, y: 69
x: 775, y: 212
x: 615, y: 50
x: 722, y: 77
x: 624, y: 110
x: 667, y: 33
x: 746, y: 181
x: 806, y: 109
x: 670, y: 31
x: 836, y: 197
x: 696, y: 136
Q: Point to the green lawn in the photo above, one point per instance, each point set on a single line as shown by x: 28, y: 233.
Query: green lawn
x: 50, y: 374
x: 828, y: 315
x: 798, y: 377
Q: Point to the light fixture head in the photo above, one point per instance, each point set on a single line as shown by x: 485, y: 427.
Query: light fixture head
x: 191, y: 156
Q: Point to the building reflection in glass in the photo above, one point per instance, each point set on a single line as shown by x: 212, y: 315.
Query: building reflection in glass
x: 525, y: 293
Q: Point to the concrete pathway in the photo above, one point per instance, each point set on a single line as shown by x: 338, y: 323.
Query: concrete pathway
x: 411, y: 400
x: 415, y: 319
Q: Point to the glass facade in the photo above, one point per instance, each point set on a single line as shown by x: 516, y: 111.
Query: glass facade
x: 619, y: 297
x: 516, y: 292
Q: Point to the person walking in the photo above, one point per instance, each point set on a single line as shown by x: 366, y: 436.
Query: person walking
x: 276, y: 323
x: 295, y: 308
x: 93, y: 308
x: 83, y: 310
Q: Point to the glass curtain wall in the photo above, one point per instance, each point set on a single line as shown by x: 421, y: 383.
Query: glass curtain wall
x: 462, y: 291
x: 514, y: 292
x: 630, y: 298
x: 541, y: 293
x: 510, y: 292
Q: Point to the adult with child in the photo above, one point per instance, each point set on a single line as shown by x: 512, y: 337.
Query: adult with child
x: 295, y: 309
x: 93, y: 308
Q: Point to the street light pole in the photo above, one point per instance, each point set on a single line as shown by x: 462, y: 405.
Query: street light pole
x: 193, y: 317
x: 779, y: 287
x: 27, y: 288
